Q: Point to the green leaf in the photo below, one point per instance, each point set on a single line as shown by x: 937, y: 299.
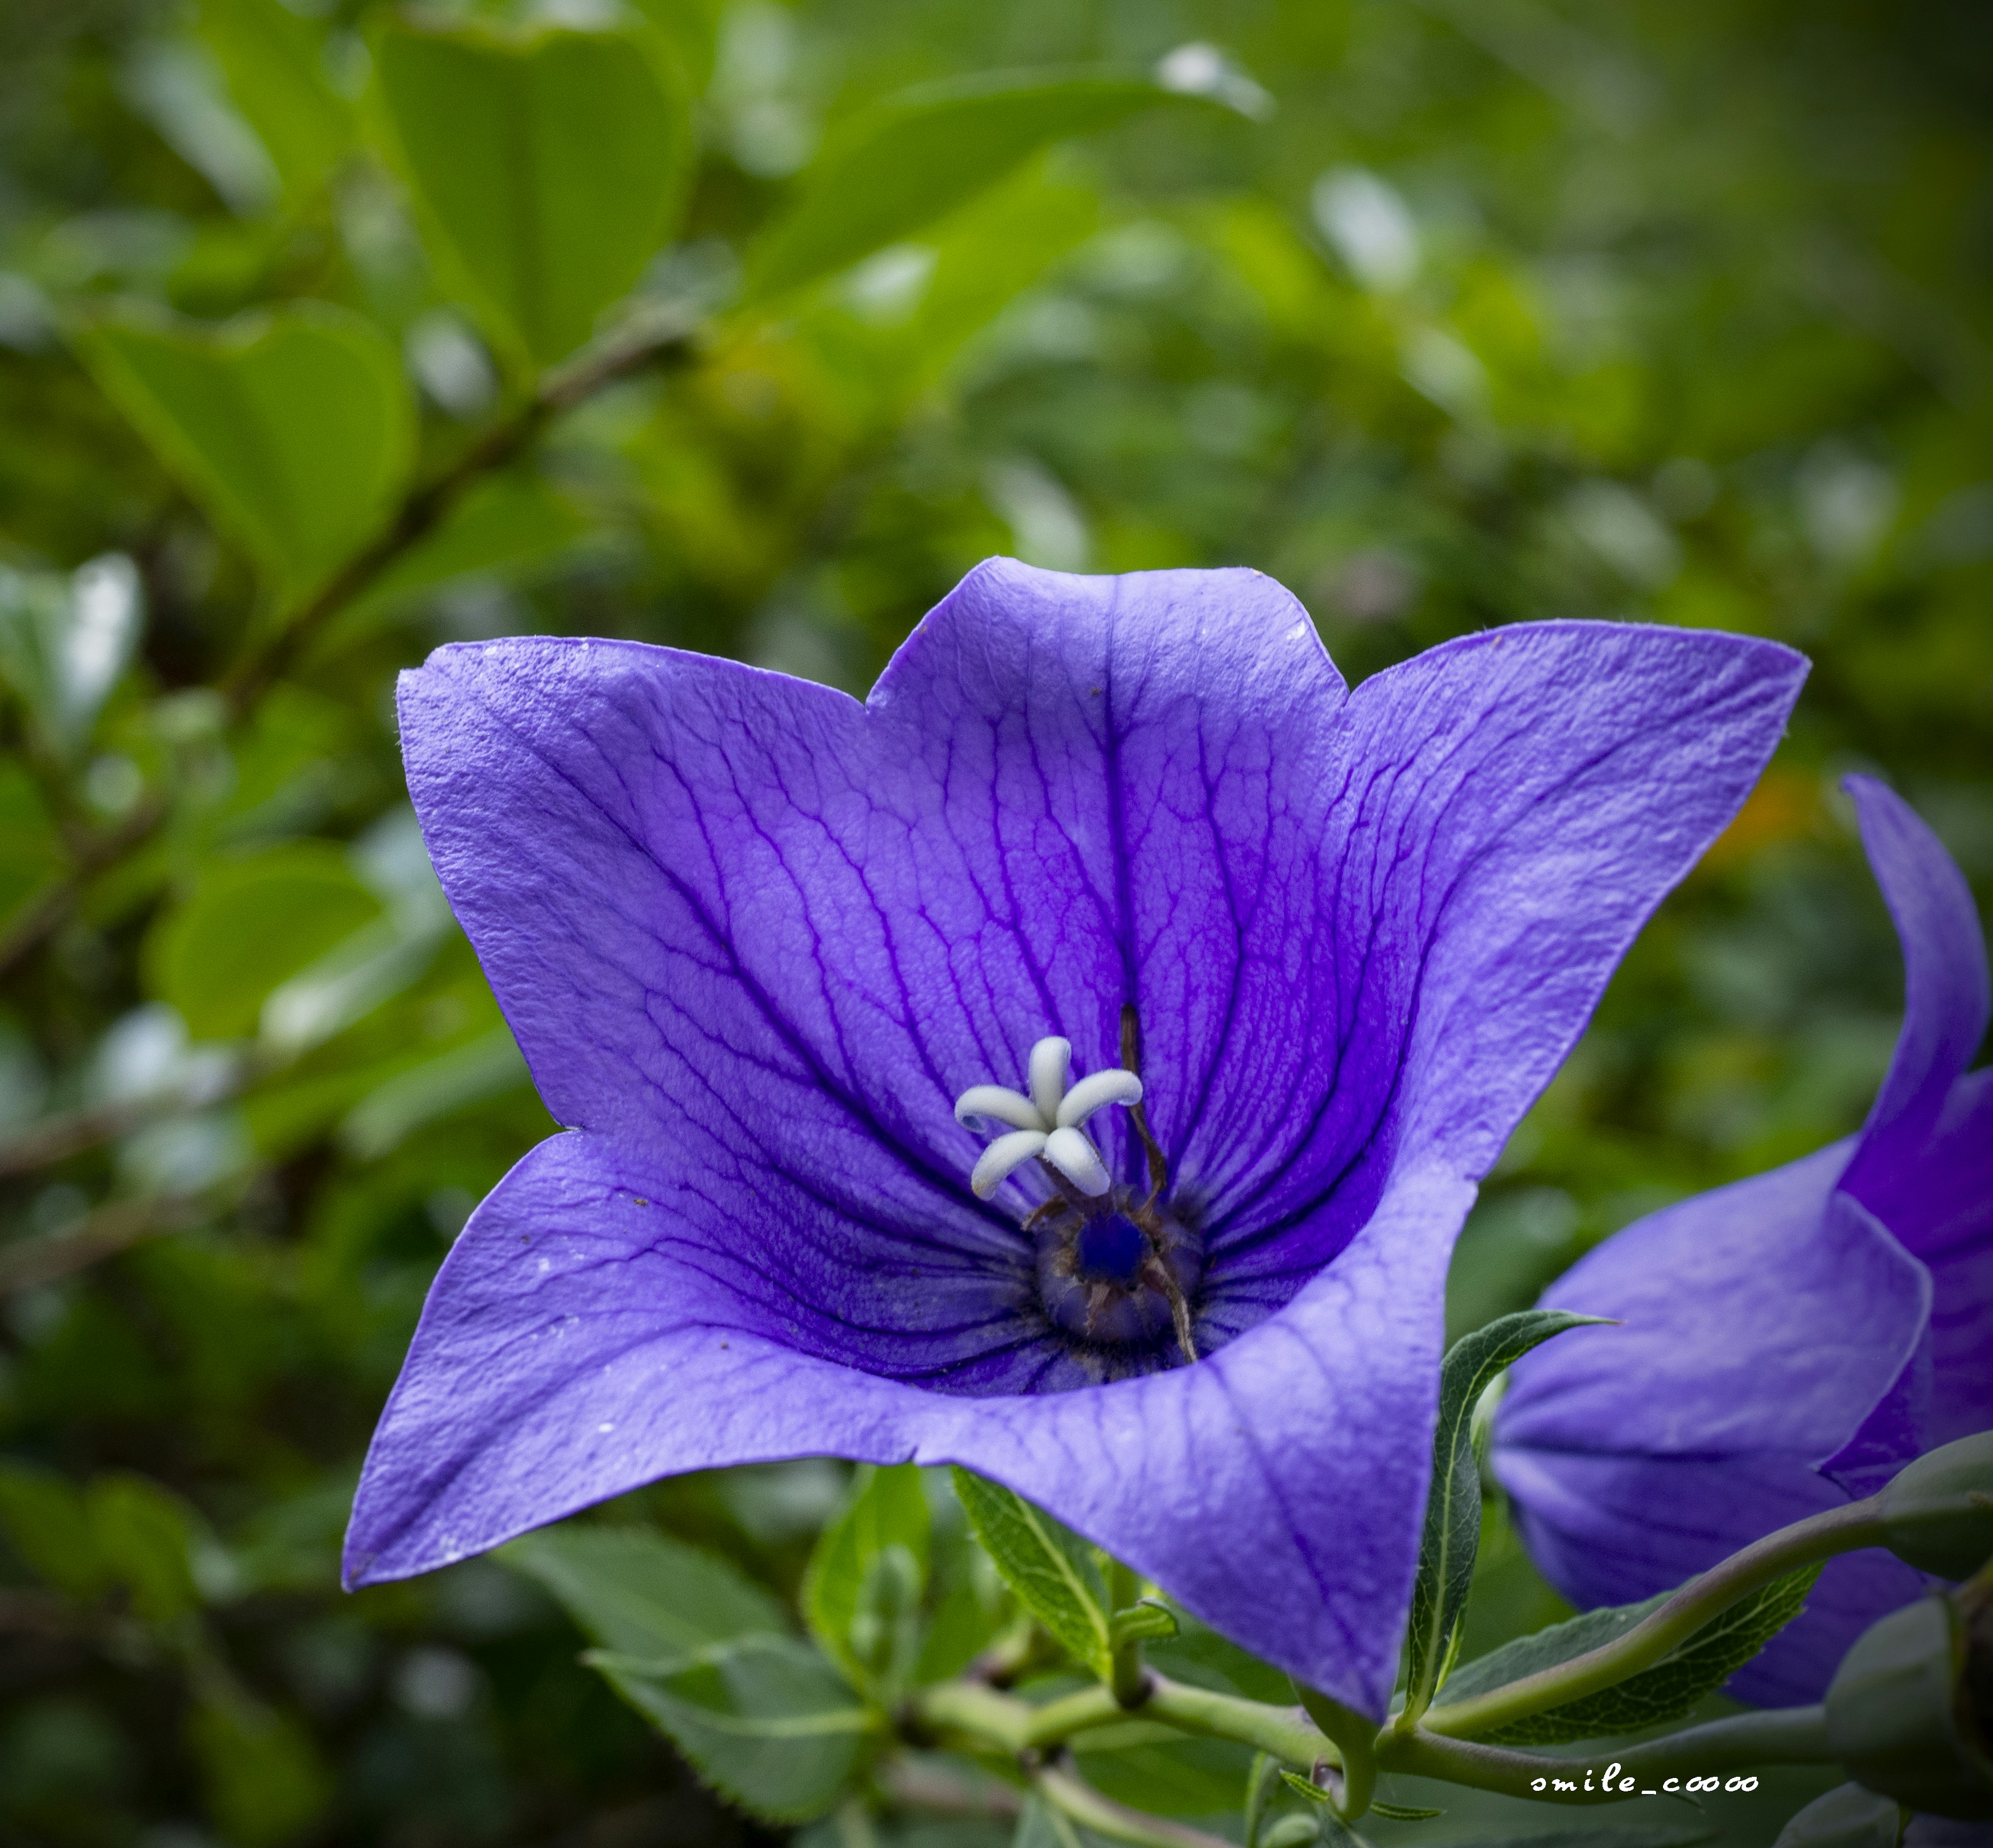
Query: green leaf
x: 765, y: 1720
x: 47, y: 1523
x: 1158, y: 1769
x: 922, y: 154
x: 641, y: 1593
x: 847, y: 1582
x: 1848, y: 1816
x: 1147, y: 1620
x: 293, y: 428
x: 65, y: 639
x: 1666, y: 1691
x: 143, y: 1535
x: 273, y: 61
x: 546, y: 166
x: 251, y: 925
x: 1452, y: 1533
x: 1402, y: 1812
x: 1207, y: 1659
x: 265, y: 1781
x: 473, y: 1072
x: 1055, y: 1572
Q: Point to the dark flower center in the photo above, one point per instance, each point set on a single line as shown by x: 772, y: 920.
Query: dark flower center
x: 1121, y: 1275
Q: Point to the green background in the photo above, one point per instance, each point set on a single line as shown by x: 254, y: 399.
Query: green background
x: 1444, y: 314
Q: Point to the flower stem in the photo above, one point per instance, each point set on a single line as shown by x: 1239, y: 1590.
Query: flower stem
x: 1072, y: 1796
x: 1127, y: 1676
x: 1787, y: 1736
x: 1820, y: 1537
x: 1280, y: 1732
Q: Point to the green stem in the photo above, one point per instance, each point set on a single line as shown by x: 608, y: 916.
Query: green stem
x: 988, y: 1717
x: 1280, y: 1732
x: 1072, y: 1796
x: 1080, y: 1713
x: 1790, y: 1736
x: 1839, y: 1530
x: 1126, y: 1675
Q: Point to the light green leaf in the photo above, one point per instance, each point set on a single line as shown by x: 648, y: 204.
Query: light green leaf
x: 641, y: 1593
x: 471, y: 1072
x: 1452, y: 1533
x: 924, y: 153
x: 546, y: 167
x: 293, y: 428
x: 250, y: 925
x: 66, y: 639
x: 1666, y: 1691
x: 273, y: 59
x: 1054, y: 1572
x: 765, y: 1720
x: 845, y: 1589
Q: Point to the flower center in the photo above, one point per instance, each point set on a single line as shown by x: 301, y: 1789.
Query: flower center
x: 1114, y: 1267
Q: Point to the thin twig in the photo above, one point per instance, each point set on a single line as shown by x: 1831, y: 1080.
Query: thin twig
x: 664, y: 335
x: 110, y: 1229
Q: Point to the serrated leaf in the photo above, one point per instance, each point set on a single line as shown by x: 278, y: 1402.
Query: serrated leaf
x: 1051, y: 1570
x: 921, y: 155
x: 642, y: 1593
x: 546, y: 167
x: 766, y: 1721
x: 1668, y: 1690
x: 888, y: 1509
x: 1452, y: 1533
x: 293, y: 428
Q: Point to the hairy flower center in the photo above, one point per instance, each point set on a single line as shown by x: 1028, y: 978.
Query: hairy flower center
x: 1114, y: 1267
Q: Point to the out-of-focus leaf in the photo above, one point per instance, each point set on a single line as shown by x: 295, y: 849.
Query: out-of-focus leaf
x: 1202, y: 1656
x: 546, y: 166
x: 765, y: 1720
x: 641, y: 1593
x: 486, y: 1067
x: 1452, y: 1535
x: 1847, y: 1816
x: 250, y: 924
x: 273, y: 61
x: 47, y: 1523
x: 144, y: 1537
x: 30, y: 848
x: 1667, y: 1691
x: 1055, y: 1572
x: 511, y: 521
x: 888, y: 1509
x: 64, y: 641
x: 265, y: 1782
x: 923, y: 154
x: 293, y: 428
x: 1158, y: 1769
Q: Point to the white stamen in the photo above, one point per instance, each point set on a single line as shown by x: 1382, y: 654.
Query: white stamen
x: 1004, y: 1154
x: 985, y: 1105
x: 1069, y: 1151
x: 1095, y: 1092
x: 1047, y: 1123
x: 1051, y: 1059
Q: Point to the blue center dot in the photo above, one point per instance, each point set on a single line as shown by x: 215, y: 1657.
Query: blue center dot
x: 1111, y: 1248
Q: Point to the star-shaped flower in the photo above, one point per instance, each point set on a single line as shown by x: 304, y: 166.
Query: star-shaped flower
x: 1791, y: 1341
x: 756, y: 941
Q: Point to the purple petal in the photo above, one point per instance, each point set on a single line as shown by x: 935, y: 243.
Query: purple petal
x: 580, y: 1341
x: 1945, y: 1000
x: 1771, y: 1316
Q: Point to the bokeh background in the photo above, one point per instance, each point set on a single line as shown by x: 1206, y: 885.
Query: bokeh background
x: 1462, y: 313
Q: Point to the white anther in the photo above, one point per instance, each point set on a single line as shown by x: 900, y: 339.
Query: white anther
x: 1004, y: 1154
x: 1095, y: 1092
x: 1051, y: 1059
x: 1069, y: 1151
x: 982, y: 1104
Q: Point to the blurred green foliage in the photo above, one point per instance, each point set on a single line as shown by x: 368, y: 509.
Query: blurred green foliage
x: 1445, y: 314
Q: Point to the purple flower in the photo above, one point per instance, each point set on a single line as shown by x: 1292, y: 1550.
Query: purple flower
x: 757, y: 942
x: 1791, y: 1341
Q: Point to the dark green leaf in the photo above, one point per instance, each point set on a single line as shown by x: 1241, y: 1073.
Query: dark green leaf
x: 1206, y: 1658
x: 1453, y: 1509
x: 293, y: 428
x: 1667, y: 1691
x: 250, y: 925
x: 923, y: 154
x: 765, y: 1720
x: 1158, y: 1769
x: 1055, y: 1572
x: 546, y: 166
x: 48, y: 1525
x: 846, y: 1587
x: 1848, y: 1816
x: 642, y: 1593
x: 142, y: 1534
x: 266, y: 1781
